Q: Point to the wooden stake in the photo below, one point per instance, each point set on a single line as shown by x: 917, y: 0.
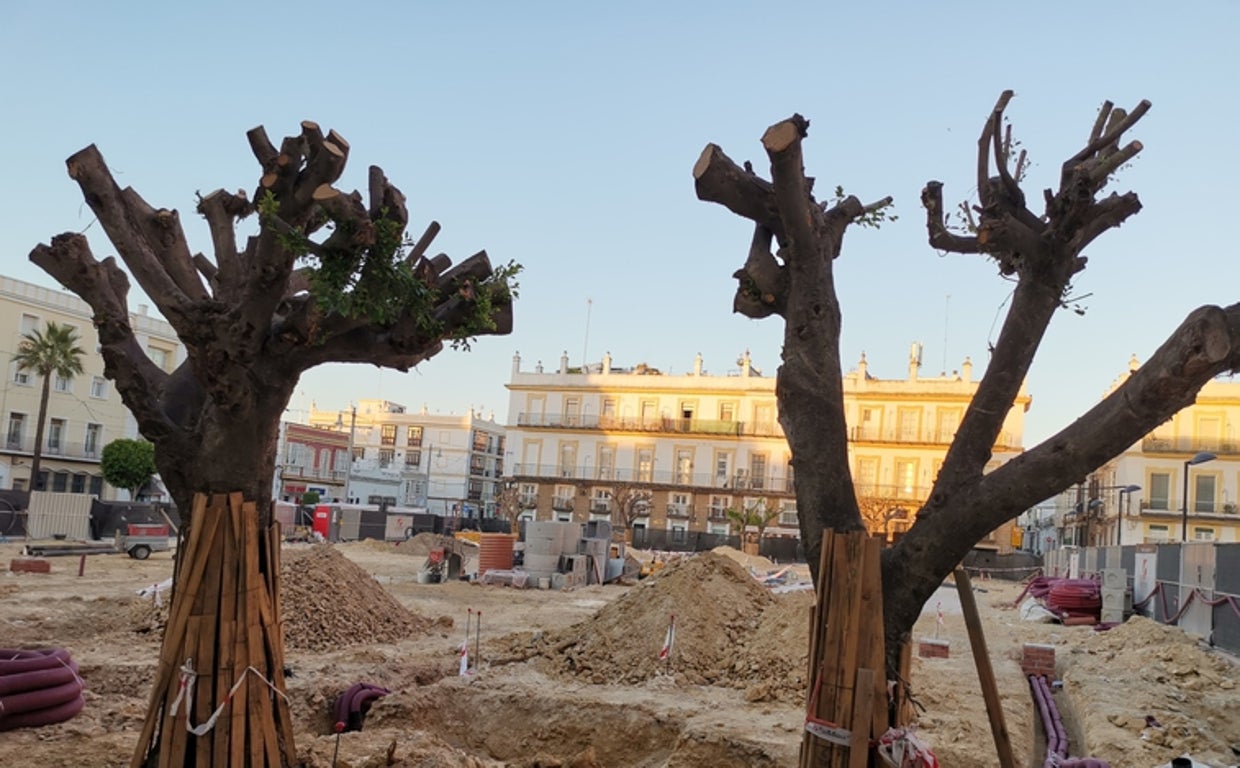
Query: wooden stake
x: 228, y: 620
x: 843, y: 633
x: 239, y: 704
x: 990, y: 690
x: 873, y: 655
x: 863, y: 703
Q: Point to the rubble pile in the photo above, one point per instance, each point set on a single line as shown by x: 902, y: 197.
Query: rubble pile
x: 728, y: 633
x: 329, y: 602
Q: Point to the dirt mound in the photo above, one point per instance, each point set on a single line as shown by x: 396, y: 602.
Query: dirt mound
x: 718, y: 609
x: 329, y: 602
x: 1187, y: 692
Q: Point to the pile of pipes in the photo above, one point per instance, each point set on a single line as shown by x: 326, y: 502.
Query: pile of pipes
x: 38, y: 687
x: 1072, y: 601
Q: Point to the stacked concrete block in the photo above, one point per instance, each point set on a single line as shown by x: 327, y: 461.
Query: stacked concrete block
x: 598, y: 529
x: 1038, y: 659
x: 1114, y: 588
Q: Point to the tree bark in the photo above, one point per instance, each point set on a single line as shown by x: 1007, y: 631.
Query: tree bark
x: 36, y: 453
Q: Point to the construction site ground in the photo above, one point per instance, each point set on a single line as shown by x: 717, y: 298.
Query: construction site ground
x: 572, y: 678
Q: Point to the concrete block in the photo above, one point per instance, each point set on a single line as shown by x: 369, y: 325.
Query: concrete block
x: 1112, y: 616
x: 1114, y: 578
x: 1112, y: 599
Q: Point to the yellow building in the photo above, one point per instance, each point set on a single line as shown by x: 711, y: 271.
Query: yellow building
x: 85, y: 413
x: 1198, y: 451
x: 702, y: 444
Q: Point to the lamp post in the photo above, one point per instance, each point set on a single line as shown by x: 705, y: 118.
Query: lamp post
x: 1119, y: 526
x: 348, y: 472
x: 1200, y: 458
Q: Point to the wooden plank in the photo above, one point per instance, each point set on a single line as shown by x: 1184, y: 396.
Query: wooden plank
x: 904, y: 702
x: 262, y: 734
x: 227, y: 621
x: 863, y: 705
x: 170, y: 648
x: 846, y: 614
x: 873, y: 635
x: 208, y: 605
x: 274, y: 636
x: 240, y: 700
x: 990, y: 690
x: 810, y: 744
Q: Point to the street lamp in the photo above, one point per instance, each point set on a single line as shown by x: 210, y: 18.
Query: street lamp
x: 348, y: 473
x: 1119, y: 527
x: 1200, y: 458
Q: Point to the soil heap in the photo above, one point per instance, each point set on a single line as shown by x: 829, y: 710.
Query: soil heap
x: 729, y: 632
x: 329, y: 602
x: 1178, y: 696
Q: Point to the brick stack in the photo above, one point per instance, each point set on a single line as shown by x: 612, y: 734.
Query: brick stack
x: 1038, y: 659
x: 928, y: 648
x: 29, y: 565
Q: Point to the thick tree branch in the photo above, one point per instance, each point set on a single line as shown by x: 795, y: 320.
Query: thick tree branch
x: 1107, y: 214
x: 123, y: 225
x: 1098, y: 141
x: 797, y: 210
x: 105, y: 287
x: 222, y: 210
x: 763, y: 285
x: 940, y: 237
x: 717, y: 179
x: 993, y: 121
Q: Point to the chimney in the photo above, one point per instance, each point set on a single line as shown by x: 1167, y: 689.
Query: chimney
x: 516, y: 363
x: 564, y: 362
x: 607, y: 362
x: 967, y: 370
x: 697, y: 365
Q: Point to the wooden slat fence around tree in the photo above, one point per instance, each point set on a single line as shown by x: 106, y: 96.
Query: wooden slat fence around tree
x: 224, y: 636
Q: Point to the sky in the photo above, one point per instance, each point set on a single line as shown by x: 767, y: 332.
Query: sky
x: 562, y: 136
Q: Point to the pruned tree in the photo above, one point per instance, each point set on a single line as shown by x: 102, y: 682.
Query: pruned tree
x: 878, y: 510
x: 327, y: 277
x: 630, y: 502
x: 1041, y: 253
x: 508, y: 504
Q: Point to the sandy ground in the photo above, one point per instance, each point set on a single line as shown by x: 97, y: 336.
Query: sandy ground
x: 569, y: 678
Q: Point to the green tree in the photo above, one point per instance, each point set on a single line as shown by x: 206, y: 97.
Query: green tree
x: 756, y: 514
x: 310, y: 498
x: 54, y: 351
x: 128, y: 464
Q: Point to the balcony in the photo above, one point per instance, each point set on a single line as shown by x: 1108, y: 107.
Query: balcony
x: 717, y: 513
x: 680, y: 510
x: 303, y: 472
x: 562, y: 504
x: 744, y: 480
x: 59, y: 450
x: 1190, y: 445
x: 659, y: 424
x: 1160, y: 507
x: 895, y: 436
x: 528, y: 502
x: 600, y: 507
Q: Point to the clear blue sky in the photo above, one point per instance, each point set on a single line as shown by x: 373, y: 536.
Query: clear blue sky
x: 562, y: 136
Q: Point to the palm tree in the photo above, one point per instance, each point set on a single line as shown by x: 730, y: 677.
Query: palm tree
x: 54, y: 351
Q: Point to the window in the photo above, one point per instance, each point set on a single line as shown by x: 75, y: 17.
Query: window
x: 413, y: 438
x: 60, y: 482
x: 568, y: 460
x: 1159, y: 533
x: 341, y: 463
x: 56, y: 436
x: 475, y: 490
x: 645, y: 465
x: 1203, y: 493
x: 17, y: 429
x: 607, y: 411
x: 159, y: 357
x: 99, y: 387
x: 949, y: 422
x: 727, y: 411
x: 62, y: 384
x: 678, y: 505
x: 867, y: 475
x: 386, y: 456
x: 871, y: 422
x: 910, y: 424
x: 1160, y: 491
x: 96, y: 485
x: 906, y: 475
x: 757, y: 471
x: 563, y: 500
x: 30, y: 323
x: 788, y: 516
x: 684, y: 465
x: 20, y: 377
x: 413, y: 458
x: 79, y: 484
x: 650, y: 413
x: 719, y: 507
x: 529, y: 494
x: 600, y: 501
x: 1203, y: 534
x: 606, y: 462
x: 572, y: 411
x: 764, y: 418
x: 387, y: 434
x: 90, y: 446
x: 723, y: 468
